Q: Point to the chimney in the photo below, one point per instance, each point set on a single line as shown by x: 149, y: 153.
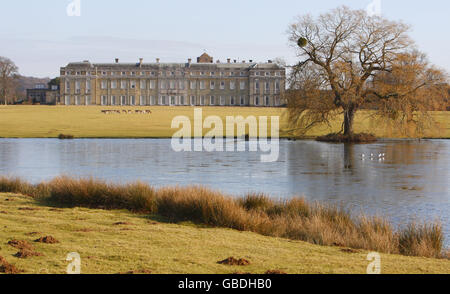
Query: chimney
x: 270, y: 61
x: 157, y: 60
x: 190, y: 60
x: 228, y: 60
x: 235, y: 61
x: 117, y: 60
x: 141, y: 60
x: 243, y: 61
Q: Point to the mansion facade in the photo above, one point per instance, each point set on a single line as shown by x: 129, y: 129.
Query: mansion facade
x: 204, y: 83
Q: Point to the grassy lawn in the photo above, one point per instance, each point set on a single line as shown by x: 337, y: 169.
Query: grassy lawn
x: 149, y: 243
x: 89, y: 122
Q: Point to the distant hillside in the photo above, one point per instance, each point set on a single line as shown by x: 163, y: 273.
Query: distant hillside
x: 24, y: 83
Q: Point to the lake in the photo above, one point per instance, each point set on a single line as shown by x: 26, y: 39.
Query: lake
x: 411, y: 181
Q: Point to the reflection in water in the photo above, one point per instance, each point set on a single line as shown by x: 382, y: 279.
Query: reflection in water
x: 411, y: 183
x: 348, y: 156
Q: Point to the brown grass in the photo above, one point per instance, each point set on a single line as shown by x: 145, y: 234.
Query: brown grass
x: 294, y: 219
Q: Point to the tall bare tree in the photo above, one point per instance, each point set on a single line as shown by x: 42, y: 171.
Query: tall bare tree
x: 8, y: 74
x: 349, y: 59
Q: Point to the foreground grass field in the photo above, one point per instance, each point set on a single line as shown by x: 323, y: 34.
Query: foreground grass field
x: 89, y: 122
x: 149, y: 244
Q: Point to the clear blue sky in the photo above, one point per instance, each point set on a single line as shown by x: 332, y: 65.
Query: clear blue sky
x: 40, y: 37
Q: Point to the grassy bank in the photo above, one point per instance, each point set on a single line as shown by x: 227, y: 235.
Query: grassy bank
x: 293, y: 219
x: 90, y: 122
x: 149, y: 244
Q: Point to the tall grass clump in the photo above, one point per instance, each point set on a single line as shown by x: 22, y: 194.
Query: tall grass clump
x: 15, y: 185
x: 256, y: 202
x: 422, y: 240
x: 136, y: 197
x: 201, y: 205
x: 294, y: 219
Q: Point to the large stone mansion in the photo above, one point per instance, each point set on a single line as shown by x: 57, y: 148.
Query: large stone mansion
x: 203, y: 83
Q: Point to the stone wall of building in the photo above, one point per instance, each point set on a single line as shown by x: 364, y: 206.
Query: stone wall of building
x: 209, y: 84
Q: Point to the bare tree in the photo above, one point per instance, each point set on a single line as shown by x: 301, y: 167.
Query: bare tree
x: 349, y: 59
x: 8, y: 74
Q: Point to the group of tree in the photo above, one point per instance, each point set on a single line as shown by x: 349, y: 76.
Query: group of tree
x: 13, y: 86
x: 8, y: 80
x: 351, y: 61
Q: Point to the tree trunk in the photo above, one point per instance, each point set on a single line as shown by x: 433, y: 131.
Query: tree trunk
x: 349, y: 115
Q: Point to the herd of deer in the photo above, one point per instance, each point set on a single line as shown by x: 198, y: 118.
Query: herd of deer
x: 126, y: 111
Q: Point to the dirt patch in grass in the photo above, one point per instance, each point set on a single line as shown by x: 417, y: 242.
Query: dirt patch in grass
x: 153, y: 223
x: 21, y: 244
x: 55, y: 210
x: 3, y: 212
x: 275, y: 272
x: 349, y: 250
x: 137, y: 272
x: 234, y: 261
x: 84, y: 230
x: 28, y: 209
x: 7, y: 268
x: 33, y: 233
x: 123, y: 224
x: 47, y: 240
x: 25, y: 253
x: 9, y: 200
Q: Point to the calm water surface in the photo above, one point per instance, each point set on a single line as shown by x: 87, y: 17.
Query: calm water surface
x: 412, y: 183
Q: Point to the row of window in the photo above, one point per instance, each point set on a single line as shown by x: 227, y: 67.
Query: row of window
x: 172, y: 100
x: 177, y: 73
x: 180, y: 85
x: 78, y: 101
